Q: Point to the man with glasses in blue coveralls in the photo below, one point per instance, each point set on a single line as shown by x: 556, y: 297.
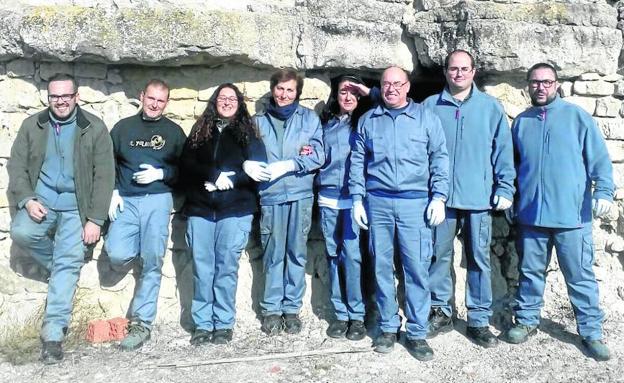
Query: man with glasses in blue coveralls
x: 399, y: 179
x: 481, y: 173
x: 61, y: 176
x: 147, y: 149
x: 564, y: 172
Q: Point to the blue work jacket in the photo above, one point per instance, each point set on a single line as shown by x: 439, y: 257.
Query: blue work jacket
x: 404, y: 156
x: 301, y: 129
x: 560, y: 154
x: 337, y: 141
x: 479, y: 146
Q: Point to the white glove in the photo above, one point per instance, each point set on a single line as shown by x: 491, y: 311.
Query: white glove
x: 116, y: 202
x: 210, y: 186
x: 279, y: 168
x: 601, y: 207
x: 224, y: 182
x: 149, y: 175
x: 501, y: 203
x: 436, y: 212
x: 359, y: 215
x: 256, y: 170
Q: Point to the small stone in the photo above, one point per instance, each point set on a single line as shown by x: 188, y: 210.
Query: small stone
x: 183, y: 94
x: 20, y: 68
x: 616, y: 150
x: 589, y: 77
x: 594, y: 88
x: 619, y: 194
x: 615, y: 244
x: 565, y: 89
x: 49, y: 69
x: 612, y: 77
x: 608, y: 107
x: 97, y: 71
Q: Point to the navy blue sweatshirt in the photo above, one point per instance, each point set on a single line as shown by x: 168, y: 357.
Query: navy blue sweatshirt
x: 137, y: 141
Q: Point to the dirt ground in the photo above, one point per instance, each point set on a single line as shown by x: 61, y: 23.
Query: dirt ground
x: 553, y: 355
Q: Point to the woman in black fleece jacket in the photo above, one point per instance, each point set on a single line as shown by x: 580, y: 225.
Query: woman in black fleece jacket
x: 220, y: 202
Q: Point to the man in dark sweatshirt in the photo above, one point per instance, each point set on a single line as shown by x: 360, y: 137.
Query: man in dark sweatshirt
x: 147, y: 147
x: 61, y: 175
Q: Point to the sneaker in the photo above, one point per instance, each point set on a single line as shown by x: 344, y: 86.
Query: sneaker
x: 419, y: 349
x: 337, y: 329
x: 137, y: 336
x: 222, y: 336
x: 384, y: 343
x: 597, y: 349
x: 439, y: 322
x: 201, y: 336
x: 519, y: 333
x: 356, y: 331
x: 51, y: 352
x: 272, y: 324
x: 482, y: 336
x: 292, y: 324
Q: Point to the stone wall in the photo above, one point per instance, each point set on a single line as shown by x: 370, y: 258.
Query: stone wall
x: 114, y: 46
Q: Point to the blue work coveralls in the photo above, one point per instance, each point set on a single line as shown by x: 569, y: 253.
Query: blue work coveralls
x: 398, y: 164
x: 560, y: 156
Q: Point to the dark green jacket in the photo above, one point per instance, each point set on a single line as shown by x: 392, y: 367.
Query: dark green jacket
x: 94, y: 166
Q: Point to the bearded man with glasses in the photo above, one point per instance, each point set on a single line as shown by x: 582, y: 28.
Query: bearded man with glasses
x: 564, y: 172
x: 399, y: 179
x: 61, y: 177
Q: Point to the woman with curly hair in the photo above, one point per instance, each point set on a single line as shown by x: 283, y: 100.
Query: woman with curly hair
x: 220, y: 202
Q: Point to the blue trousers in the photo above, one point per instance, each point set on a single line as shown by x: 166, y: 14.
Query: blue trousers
x: 284, y: 232
x: 401, y: 222
x: 342, y: 241
x: 216, y: 247
x: 56, y: 244
x: 575, y: 252
x: 141, y: 232
x: 476, y: 228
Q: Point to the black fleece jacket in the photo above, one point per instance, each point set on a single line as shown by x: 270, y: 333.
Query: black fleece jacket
x: 204, y: 163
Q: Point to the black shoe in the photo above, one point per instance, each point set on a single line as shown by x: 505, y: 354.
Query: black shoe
x: 438, y: 323
x: 272, y: 324
x: 482, y: 336
x: 356, y: 331
x: 222, y: 336
x: 200, y: 337
x: 419, y: 349
x: 384, y: 343
x: 51, y: 352
x: 292, y: 324
x: 337, y: 329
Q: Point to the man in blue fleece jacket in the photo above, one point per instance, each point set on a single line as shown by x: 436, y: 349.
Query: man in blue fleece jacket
x: 481, y: 177
x: 564, y: 173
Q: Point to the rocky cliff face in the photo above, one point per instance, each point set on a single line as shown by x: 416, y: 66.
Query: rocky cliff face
x: 114, y: 46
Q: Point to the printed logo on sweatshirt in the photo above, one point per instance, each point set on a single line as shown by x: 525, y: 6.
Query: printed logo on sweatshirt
x: 156, y: 143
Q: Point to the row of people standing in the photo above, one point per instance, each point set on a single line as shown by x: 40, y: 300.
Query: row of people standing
x: 406, y: 168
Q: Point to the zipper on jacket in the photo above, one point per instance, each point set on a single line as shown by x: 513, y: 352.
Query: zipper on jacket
x: 542, y: 117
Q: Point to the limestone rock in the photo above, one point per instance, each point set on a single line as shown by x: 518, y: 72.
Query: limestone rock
x: 565, y: 89
x: 613, y: 77
x: 49, y: 69
x: 511, y: 96
x: 587, y: 103
x: 594, y: 88
x: 18, y: 94
x: 87, y: 70
x: 20, y: 68
x: 619, y: 89
x: 608, y: 107
x: 589, y: 76
x: 616, y: 150
x: 92, y: 91
x: 549, y: 30
x: 611, y: 128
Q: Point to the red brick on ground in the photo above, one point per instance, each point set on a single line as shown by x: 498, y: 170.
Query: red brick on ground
x: 98, y: 331
x: 118, y: 328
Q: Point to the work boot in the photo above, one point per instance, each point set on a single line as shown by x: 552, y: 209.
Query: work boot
x: 222, y: 336
x: 438, y: 323
x: 200, y: 337
x: 337, y: 329
x: 292, y: 324
x: 519, y: 333
x: 356, y: 331
x: 482, y: 336
x: 597, y: 349
x: 419, y: 349
x: 51, y: 352
x: 384, y: 343
x: 272, y: 324
x: 137, y: 336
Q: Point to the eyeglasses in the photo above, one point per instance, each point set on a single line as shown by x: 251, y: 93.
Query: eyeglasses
x: 545, y: 83
x: 223, y: 99
x: 396, y: 85
x: 60, y: 97
x: 455, y: 70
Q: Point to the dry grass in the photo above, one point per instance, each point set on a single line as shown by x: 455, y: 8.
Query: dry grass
x: 20, y: 342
